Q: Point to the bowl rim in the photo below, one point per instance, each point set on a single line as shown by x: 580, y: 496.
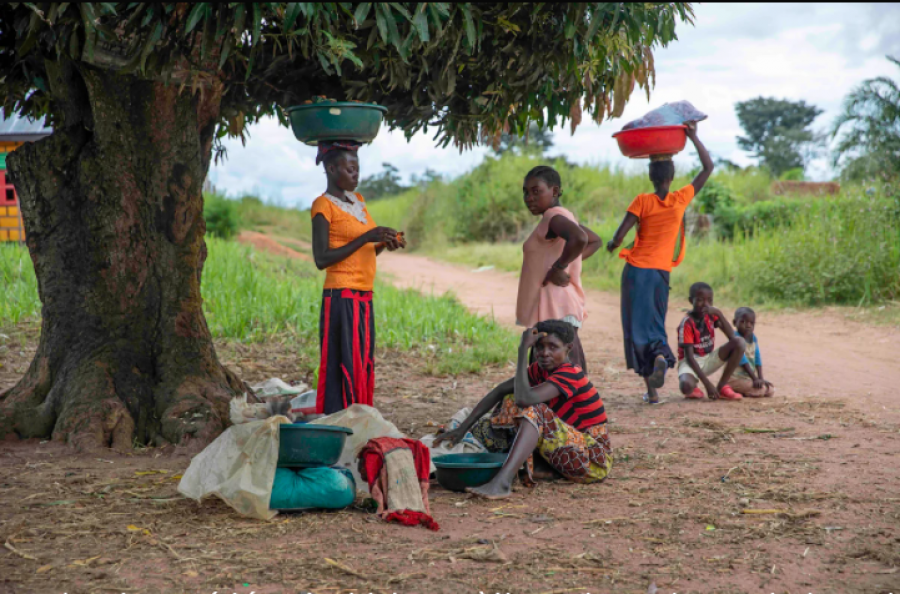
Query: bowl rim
x: 312, y: 426
x: 651, y: 129
x: 341, y: 104
x: 440, y: 463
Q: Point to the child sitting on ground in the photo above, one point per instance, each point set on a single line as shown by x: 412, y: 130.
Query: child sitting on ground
x: 698, y: 357
x: 748, y: 378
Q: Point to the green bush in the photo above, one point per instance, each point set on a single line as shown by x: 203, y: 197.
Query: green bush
x: 713, y: 197
x: 221, y: 216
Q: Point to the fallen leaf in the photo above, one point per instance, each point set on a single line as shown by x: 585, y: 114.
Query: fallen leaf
x: 146, y: 472
x: 133, y: 528
x: 190, y: 573
x: 85, y: 562
x: 44, y: 569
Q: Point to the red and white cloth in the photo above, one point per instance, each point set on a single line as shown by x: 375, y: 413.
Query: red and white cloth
x: 397, y: 473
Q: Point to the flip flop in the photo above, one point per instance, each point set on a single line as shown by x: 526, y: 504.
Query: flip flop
x: 658, y: 377
x: 646, y: 399
x: 728, y: 393
x: 697, y: 394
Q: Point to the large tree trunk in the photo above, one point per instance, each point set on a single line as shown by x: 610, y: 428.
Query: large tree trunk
x: 113, y: 208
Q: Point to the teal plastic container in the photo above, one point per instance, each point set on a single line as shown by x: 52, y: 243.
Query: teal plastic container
x: 312, y: 488
x: 455, y: 472
x: 336, y: 120
x: 304, y: 445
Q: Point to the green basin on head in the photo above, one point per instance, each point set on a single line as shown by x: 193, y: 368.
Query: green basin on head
x: 337, y: 120
x: 304, y: 445
x: 455, y: 472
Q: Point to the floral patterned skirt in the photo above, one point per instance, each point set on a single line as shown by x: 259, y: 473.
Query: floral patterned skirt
x: 580, y: 456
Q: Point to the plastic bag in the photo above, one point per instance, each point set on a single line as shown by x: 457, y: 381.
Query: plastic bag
x: 670, y: 114
x: 312, y: 488
x: 367, y: 423
x: 468, y: 445
x: 238, y: 467
x: 277, y: 387
x: 304, y: 404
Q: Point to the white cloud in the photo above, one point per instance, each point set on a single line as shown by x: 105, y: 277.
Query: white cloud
x: 813, y: 52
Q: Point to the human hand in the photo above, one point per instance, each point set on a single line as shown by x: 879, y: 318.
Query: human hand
x: 711, y: 391
x: 758, y: 383
x: 530, y: 337
x: 611, y: 246
x: 691, y: 129
x: 384, y: 235
x: 558, y: 277
x: 768, y: 384
x: 715, y: 311
x: 452, y: 437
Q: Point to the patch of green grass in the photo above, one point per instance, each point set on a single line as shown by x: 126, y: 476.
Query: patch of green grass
x: 254, y: 297
x: 18, y: 297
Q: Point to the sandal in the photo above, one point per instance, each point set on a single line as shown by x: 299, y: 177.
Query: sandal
x: 697, y: 394
x: 646, y: 399
x: 727, y: 393
x: 658, y: 378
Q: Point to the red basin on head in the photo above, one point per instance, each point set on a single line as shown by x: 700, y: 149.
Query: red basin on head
x: 640, y: 143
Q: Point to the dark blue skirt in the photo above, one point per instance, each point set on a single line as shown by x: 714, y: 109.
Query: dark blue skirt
x: 645, y: 300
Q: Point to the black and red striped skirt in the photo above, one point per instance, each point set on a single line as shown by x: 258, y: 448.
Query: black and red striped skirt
x: 347, y: 339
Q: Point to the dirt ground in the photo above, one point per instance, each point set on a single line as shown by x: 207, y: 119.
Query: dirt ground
x: 816, y: 467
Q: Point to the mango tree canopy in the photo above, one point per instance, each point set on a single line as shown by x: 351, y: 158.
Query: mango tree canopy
x: 139, y: 94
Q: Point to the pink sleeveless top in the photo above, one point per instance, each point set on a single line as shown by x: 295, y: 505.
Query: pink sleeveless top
x: 536, y: 303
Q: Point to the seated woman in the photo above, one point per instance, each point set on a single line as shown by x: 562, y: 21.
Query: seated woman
x: 549, y: 406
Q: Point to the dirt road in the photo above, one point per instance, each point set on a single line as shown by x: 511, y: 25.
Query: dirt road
x: 809, y: 354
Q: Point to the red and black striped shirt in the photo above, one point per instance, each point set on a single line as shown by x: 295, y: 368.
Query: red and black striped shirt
x: 578, y: 403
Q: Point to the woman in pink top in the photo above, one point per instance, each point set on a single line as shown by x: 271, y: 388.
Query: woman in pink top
x: 550, y: 283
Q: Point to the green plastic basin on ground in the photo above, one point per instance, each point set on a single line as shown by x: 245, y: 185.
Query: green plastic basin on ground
x: 339, y: 120
x: 304, y: 445
x: 455, y: 472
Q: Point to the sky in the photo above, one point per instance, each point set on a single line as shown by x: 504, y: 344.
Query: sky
x: 814, y: 52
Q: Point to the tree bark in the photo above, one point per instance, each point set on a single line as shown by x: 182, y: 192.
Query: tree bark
x: 112, y: 206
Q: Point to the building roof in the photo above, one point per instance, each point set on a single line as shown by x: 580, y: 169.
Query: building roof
x: 17, y: 128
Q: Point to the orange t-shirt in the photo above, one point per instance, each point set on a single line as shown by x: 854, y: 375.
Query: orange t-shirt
x: 659, y: 226
x: 358, y: 271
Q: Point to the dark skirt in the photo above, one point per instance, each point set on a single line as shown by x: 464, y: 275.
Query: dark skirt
x: 645, y: 300
x: 347, y: 342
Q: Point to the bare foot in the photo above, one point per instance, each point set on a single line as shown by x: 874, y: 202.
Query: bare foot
x: 491, y: 491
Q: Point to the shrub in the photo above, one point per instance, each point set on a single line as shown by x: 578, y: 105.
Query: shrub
x: 221, y: 216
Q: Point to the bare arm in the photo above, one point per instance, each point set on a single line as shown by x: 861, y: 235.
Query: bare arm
x: 574, y: 235
x: 705, y: 160
x: 593, y: 244
x: 722, y: 322
x: 484, y: 407
x: 325, y: 256
x: 627, y: 223
x: 525, y: 394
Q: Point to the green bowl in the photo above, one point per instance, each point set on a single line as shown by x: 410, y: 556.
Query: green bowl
x: 455, y: 472
x: 304, y: 445
x: 336, y: 120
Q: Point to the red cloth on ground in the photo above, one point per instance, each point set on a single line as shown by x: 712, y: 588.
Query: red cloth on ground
x: 373, y: 471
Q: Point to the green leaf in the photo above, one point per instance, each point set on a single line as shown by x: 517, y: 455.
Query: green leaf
x: 421, y: 24
x: 470, y: 25
x: 240, y: 16
x: 382, y: 24
x: 200, y: 9
x: 226, y: 50
x: 150, y: 44
x: 257, y: 22
x: 324, y: 62
x: 291, y: 13
x: 362, y: 11
x: 401, y: 9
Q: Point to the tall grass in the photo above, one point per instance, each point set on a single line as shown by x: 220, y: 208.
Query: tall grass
x: 255, y: 297
x: 18, y: 296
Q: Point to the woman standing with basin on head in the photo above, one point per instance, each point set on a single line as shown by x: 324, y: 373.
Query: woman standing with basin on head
x: 346, y: 242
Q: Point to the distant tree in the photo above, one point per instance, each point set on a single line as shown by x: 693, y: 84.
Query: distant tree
x: 386, y: 183
x: 777, y: 132
x: 870, y: 146
x: 536, y: 139
x: 426, y: 178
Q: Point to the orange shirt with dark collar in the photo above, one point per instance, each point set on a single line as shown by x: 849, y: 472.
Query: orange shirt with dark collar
x: 658, y: 229
x: 357, y: 272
